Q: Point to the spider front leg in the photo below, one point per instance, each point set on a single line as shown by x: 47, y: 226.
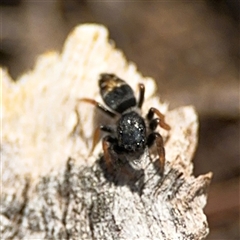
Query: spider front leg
x: 157, y: 138
x: 96, y: 134
x: 106, y: 144
x: 161, y: 117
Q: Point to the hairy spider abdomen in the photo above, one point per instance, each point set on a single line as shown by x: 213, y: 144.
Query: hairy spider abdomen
x: 116, y: 93
x: 131, y: 132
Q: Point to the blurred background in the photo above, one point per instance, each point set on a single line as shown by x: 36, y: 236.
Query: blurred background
x: 190, y: 48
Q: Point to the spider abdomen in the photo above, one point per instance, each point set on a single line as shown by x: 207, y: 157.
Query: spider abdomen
x: 116, y: 93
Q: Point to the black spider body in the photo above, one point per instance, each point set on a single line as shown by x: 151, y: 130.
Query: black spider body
x: 131, y: 132
x: 131, y: 135
x: 116, y: 93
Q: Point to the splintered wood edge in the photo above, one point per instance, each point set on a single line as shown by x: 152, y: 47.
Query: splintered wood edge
x: 43, y: 125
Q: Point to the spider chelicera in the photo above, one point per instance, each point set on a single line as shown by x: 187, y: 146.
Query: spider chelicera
x: 130, y: 136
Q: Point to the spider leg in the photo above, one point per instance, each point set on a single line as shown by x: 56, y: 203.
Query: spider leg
x: 97, y: 134
x: 154, y: 123
x: 141, y: 94
x: 106, y: 143
x: 98, y: 105
x: 157, y: 138
x: 161, y: 117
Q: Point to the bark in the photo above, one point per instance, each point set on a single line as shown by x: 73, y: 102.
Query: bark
x: 53, y: 189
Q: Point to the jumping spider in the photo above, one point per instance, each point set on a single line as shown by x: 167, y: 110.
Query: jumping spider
x: 130, y: 136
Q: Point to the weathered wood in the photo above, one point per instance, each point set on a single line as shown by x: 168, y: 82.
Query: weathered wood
x: 53, y: 189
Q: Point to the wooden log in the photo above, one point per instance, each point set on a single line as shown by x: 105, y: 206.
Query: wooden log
x: 53, y: 189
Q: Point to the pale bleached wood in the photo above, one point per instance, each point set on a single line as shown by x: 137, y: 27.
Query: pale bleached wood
x: 53, y: 189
